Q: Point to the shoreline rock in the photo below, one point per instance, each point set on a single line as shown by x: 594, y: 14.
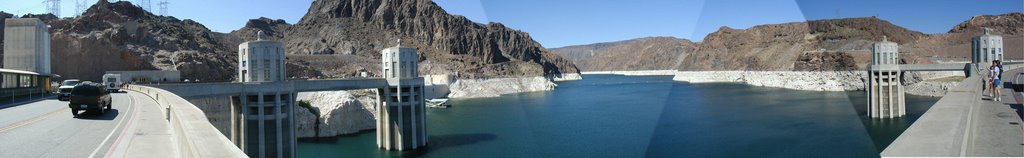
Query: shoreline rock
x: 919, y: 83
x: 633, y: 73
x: 929, y: 88
x: 342, y: 112
x: 798, y: 80
x: 567, y: 77
x: 477, y: 88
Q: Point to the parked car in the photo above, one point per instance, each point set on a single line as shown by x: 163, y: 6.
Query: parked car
x: 92, y: 97
x: 65, y: 88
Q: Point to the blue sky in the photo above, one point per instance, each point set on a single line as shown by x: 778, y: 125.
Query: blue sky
x: 556, y: 23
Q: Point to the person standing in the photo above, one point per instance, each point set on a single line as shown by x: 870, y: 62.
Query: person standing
x: 995, y: 74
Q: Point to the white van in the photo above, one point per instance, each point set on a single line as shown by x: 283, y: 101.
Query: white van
x: 112, y: 81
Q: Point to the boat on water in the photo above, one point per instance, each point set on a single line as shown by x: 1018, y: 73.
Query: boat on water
x: 437, y: 103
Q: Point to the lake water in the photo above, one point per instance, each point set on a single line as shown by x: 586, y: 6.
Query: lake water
x: 646, y: 116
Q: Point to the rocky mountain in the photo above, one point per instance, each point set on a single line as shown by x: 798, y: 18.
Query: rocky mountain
x: 272, y: 29
x: 779, y: 46
x: 580, y: 54
x: 337, y: 38
x: 120, y: 36
x: 650, y: 53
x: 785, y: 46
x: 956, y: 44
x: 824, y: 61
x: 352, y: 33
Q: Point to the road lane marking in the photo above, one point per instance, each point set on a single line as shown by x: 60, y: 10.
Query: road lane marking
x: 131, y: 107
x: 30, y: 121
x: 127, y: 126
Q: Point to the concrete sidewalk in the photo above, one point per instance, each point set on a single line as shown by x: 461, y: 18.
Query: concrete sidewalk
x: 964, y: 123
x: 147, y: 134
x: 996, y: 129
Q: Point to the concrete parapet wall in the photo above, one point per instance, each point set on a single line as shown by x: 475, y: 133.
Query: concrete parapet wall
x: 934, y: 133
x: 192, y: 131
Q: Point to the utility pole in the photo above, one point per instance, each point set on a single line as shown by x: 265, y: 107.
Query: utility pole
x: 53, y: 6
x: 163, y: 7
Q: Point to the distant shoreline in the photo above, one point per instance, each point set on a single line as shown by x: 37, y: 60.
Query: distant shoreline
x: 633, y: 73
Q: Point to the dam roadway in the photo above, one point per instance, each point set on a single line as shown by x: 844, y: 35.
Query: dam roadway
x: 135, y: 127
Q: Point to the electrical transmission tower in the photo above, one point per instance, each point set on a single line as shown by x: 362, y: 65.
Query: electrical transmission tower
x: 144, y: 4
x: 80, y: 7
x: 163, y: 7
x: 53, y: 6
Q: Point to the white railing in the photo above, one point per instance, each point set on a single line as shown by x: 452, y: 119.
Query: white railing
x: 192, y: 131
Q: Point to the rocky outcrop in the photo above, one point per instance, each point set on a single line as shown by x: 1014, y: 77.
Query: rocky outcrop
x: 651, y: 53
x: 273, y: 29
x: 580, y: 54
x: 956, y: 44
x: 340, y: 112
x: 930, y: 88
x: 799, y: 80
x: 818, y: 45
x: 475, y: 88
x: 915, y: 83
x: 931, y: 83
x: 566, y: 77
x: 825, y: 61
x: 779, y: 46
x: 121, y: 36
x: 1008, y: 23
x: 361, y: 28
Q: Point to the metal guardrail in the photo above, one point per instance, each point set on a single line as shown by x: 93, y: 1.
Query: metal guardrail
x: 192, y: 131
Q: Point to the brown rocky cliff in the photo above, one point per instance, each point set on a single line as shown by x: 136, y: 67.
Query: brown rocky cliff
x: 447, y: 43
x: 956, y: 44
x: 121, y: 36
x: 580, y: 54
x: 650, y: 53
x: 778, y: 46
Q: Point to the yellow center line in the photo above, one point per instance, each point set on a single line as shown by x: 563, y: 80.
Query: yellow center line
x: 30, y: 121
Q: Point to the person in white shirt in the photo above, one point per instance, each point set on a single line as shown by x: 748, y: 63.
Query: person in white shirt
x: 995, y: 74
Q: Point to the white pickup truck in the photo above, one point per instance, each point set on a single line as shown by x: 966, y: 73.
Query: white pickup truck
x: 65, y: 88
x: 113, y: 82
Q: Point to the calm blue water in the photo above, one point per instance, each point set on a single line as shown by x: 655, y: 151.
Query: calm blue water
x: 650, y: 116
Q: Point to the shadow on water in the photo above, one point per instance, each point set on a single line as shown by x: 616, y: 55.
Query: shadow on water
x: 445, y: 141
x: 436, y: 142
x: 884, y: 131
x: 108, y: 115
x: 450, y: 140
x: 334, y: 139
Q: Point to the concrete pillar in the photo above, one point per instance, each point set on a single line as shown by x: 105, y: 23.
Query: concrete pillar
x: 269, y: 108
x: 400, y: 126
x: 885, y: 93
x: 885, y: 90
